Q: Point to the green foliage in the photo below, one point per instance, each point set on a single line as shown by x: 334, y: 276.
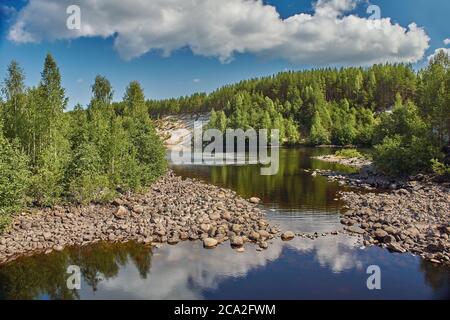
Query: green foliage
x: 348, y: 153
x: 102, y: 91
x: 325, y: 105
x: 397, y: 156
x: 405, y: 144
x: 434, y: 96
x: 386, y: 105
x: 218, y: 120
x: 13, y: 110
x: 374, y: 88
x: 52, y: 154
x: 318, y: 134
x: 49, y: 156
x: 86, y: 178
x: 439, y: 168
x: 14, y: 178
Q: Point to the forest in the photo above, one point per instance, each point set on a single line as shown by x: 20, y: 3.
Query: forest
x: 50, y: 156
x: 404, y: 114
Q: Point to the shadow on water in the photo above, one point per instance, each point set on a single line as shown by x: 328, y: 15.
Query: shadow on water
x: 331, y: 267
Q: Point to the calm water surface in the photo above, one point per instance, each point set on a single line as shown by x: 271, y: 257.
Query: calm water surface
x: 332, y: 267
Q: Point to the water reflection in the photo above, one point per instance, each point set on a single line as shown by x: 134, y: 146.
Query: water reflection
x: 291, y: 188
x: 329, y: 267
x: 44, y: 276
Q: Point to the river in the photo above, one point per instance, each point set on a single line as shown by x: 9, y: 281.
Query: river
x: 330, y: 267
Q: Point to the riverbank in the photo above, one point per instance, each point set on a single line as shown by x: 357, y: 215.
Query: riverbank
x: 356, y: 162
x: 174, y: 210
x: 413, y: 219
x: 408, y: 215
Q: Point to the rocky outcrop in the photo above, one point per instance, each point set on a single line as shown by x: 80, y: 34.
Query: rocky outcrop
x: 368, y: 178
x: 174, y: 210
x: 176, y: 130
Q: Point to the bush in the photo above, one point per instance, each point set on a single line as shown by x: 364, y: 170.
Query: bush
x: 397, y: 156
x: 348, y: 153
x: 88, y: 181
x: 14, y: 179
x: 439, y: 168
x: 47, y: 181
x: 405, y: 144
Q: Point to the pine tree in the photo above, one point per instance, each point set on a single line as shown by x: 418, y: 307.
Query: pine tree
x: 134, y: 101
x: 221, y: 121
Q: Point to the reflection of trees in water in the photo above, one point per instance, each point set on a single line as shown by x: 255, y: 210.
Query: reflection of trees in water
x: 436, y: 277
x: 41, y: 276
x: 291, y: 187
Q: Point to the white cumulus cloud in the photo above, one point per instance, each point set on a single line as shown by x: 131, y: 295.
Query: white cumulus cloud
x: 446, y: 50
x: 219, y: 28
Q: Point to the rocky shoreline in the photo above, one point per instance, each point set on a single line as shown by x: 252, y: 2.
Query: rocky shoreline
x: 354, y: 162
x: 414, y: 219
x: 173, y: 210
x: 410, y: 215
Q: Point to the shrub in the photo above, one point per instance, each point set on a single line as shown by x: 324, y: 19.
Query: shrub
x: 405, y: 144
x: 398, y: 156
x: 439, y: 168
x: 14, y: 179
x: 88, y: 181
x: 348, y: 153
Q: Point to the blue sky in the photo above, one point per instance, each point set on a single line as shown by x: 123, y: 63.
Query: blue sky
x: 81, y: 57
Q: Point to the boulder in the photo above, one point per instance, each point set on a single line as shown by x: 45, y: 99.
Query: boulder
x: 121, y: 212
x: 355, y: 229
x: 287, y: 235
x: 209, y: 243
x: 379, y: 234
x: 236, y: 241
x: 254, y: 200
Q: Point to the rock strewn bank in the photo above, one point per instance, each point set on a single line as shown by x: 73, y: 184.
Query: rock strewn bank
x: 367, y: 178
x: 174, y: 210
x: 415, y: 218
x: 354, y: 162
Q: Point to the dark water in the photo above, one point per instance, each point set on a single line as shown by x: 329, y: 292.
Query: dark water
x: 331, y: 267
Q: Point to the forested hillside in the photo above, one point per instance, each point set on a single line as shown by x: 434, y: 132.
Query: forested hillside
x: 405, y: 113
x: 50, y: 156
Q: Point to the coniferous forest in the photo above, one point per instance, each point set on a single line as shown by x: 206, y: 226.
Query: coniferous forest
x: 49, y: 155
x: 403, y: 113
